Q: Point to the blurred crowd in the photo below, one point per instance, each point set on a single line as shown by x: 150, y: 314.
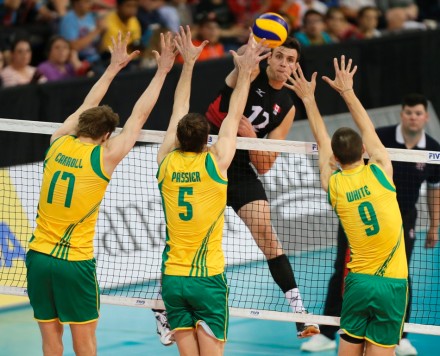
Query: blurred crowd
x: 48, y: 40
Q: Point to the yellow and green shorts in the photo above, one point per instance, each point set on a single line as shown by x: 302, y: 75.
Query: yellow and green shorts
x: 61, y: 289
x: 374, y: 308
x: 197, y: 301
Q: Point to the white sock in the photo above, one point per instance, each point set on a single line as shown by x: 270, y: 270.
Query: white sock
x: 294, y: 298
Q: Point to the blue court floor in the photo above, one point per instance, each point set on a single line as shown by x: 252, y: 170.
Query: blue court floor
x: 130, y: 331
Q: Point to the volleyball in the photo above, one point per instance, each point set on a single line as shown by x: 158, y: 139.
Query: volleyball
x: 272, y: 27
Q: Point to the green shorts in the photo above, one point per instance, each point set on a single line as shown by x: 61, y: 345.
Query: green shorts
x: 194, y: 301
x: 374, y: 308
x: 60, y: 289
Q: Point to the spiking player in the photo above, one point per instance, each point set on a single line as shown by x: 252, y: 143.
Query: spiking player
x: 269, y: 113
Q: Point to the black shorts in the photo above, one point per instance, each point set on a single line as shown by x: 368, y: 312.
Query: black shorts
x: 244, y: 193
x: 244, y: 187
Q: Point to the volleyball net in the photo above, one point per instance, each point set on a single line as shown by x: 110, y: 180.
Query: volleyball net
x: 130, y: 232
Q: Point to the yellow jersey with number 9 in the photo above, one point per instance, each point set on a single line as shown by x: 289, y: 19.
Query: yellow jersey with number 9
x: 364, y: 199
x: 194, y: 200
x: 73, y: 186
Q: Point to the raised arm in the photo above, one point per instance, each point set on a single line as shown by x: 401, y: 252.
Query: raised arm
x: 120, y: 145
x: 231, y: 79
x: 189, y: 53
x: 343, y: 84
x: 119, y: 59
x: 305, y: 90
x: 224, y: 148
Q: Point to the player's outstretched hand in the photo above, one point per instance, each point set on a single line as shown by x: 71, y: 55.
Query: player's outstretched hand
x: 187, y: 49
x: 253, y: 54
x: 165, y: 59
x: 303, y: 88
x: 118, y: 49
x: 343, y: 76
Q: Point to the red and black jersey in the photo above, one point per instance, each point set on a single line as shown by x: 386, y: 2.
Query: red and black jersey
x: 266, y: 107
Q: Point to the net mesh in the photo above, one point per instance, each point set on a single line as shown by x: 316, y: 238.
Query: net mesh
x: 130, y: 233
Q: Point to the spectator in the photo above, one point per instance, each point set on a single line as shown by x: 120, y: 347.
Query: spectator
x: 158, y: 13
x: 30, y: 19
x: 123, y: 20
x: 209, y: 30
x: 83, y: 31
x: 351, y: 8
x: 400, y: 14
x: 62, y: 62
x: 338, y: 27
x: 368, y: 21
x: 19, y: 71
x: 313, y: 30
x: 185, y: 11
x: 306, y: 5
x: 232, y: 32
x: 154, y: 17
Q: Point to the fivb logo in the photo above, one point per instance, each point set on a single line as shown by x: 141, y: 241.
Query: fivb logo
x: 15, y: 230
x: 11, y: 248
x: 433, y: 156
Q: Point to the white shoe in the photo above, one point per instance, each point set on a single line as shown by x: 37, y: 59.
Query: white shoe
x: 405, y: 348
x: 318, y: 343
x: 163, y: 328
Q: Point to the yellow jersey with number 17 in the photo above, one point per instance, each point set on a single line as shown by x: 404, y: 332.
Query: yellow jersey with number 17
x: 194, y: 200
x: 364, y: 199
x: 73, y: 186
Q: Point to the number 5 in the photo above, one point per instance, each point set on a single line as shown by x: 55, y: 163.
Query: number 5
x: 189, y: 209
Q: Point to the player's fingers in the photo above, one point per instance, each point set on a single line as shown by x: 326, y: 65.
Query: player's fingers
x: 188, y: 33
x: 342, y: 62
x: 348, y: 67
x: 162, y: 40
x: 295, y: 73
x: 327, y: 80
x: 204, y: 43
x: 354, y: 70
x: 156, y: 55
x: 178, y: 45
x: 336, y: 64
x: 113, y: 42
x: 299, y: 70
x: 127, y: 38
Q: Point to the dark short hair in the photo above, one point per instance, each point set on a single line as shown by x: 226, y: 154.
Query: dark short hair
x: 52, y: 41
x: 292, y: 43
x: 18, y: 40
x: 312, y: 12
x: 96, y: 122
x: 192, y: 132
x: 121, y: 2
x: 414, y: 99
x: 347, y: 145
x: 364, y: 9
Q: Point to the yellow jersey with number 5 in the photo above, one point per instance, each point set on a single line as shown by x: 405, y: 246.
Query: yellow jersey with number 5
x: 194, y: 200
x: 73, y: 186
x: 364, y: 199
